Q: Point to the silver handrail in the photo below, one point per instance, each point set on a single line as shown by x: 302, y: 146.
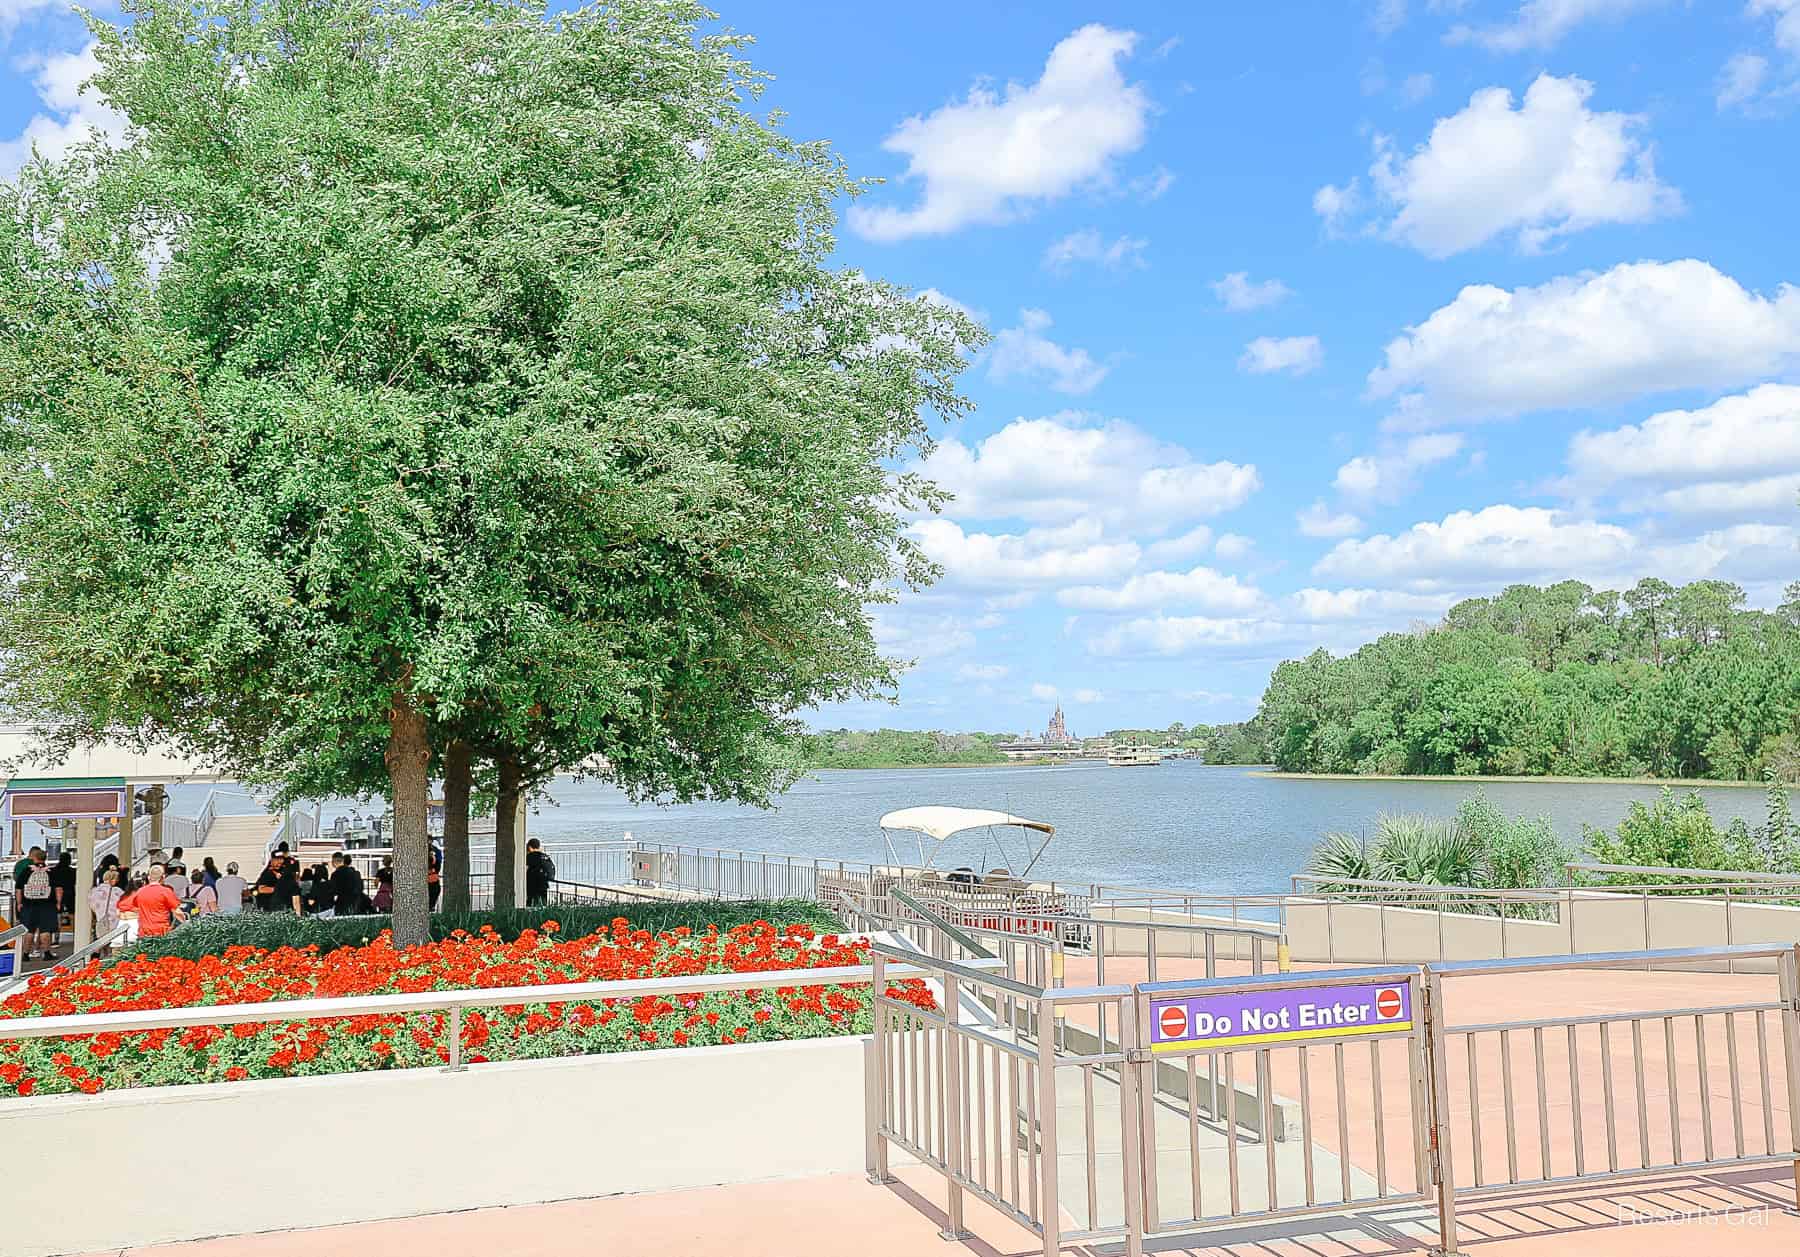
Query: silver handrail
x: 453, y: 1002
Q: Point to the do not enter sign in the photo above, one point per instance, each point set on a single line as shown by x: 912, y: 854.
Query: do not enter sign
x: 1387, y: 1004
x: 1173, y: 1021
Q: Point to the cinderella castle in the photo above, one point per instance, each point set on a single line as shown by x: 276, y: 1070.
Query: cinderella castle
x: 1058, y: 732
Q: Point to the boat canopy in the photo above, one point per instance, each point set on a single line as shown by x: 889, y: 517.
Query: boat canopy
x: 943, y: 823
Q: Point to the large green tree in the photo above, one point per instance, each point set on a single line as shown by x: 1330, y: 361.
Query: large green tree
x: 457, y: 372
x: 1659, y: 680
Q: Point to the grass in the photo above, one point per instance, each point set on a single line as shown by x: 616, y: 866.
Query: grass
x: 212, y: 935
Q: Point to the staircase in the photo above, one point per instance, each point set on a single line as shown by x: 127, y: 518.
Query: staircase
x: 242, y: 838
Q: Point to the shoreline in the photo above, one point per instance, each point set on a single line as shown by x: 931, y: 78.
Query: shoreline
x: 999, y: 763
x: 1678, y: 783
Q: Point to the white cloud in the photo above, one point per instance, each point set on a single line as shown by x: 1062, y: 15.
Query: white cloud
x: 1497, y: 544
x: 1233, y: 546
x: 1295, y: 354
x: 1390, y: 475
x: 1150, y: 187
x: 1740, y: 455
x: 1741, y: 81
x: 1169, y: 636
x: 73, y: 113
x: 989, y: 157
x: 1200, y: 586
x: 982, y: 671
x: 1043, y: 693
x: 1541, y: 171
x: 1542, y: 23
x: 1318, y: 520
x: 1065, y: 468
x: 1088, y: 245
x: 1038, y: 557
x: 1388, y: 16
x: 1787, y: 21
x: 1748, y: 81
x: 1089, y: 696
x: 1416, y: 88
x: 1025, y: 351
x: 1237, y: 291
x: 1361, y: 605
x: 1194, y: 541
x: 1335, y: 204
x: 1587, y: 340
x: 906, y: 633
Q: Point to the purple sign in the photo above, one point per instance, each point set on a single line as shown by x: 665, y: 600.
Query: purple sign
x: 1293, y: 1014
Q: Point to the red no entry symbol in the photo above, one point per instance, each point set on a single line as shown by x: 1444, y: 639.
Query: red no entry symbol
x: 1173, y: 1021
x: 1387, y: 1004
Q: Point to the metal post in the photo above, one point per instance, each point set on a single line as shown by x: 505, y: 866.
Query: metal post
x: 1131, y: 1130
x: 1730, y: 961
x: 1437, y: 1072
x: 877, y: 1148
x: 84, y: 862
x: 1049, y: 1205
x: 1790, y: 1034
x: 127, y: 838
x: 951, y: 1116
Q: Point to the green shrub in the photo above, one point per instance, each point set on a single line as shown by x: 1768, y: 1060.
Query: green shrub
x: 1480, y: 847
x: 1676, y: 833
x: 210, y: 936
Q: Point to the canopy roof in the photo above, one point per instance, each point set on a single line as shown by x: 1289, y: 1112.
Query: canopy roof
x: 941, y: 822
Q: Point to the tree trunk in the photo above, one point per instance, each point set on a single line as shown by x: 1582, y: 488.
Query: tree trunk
x: 506, y: 832
x: 455, y: 872
x: 409, y: 784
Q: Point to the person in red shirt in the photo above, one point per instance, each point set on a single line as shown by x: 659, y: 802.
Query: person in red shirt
x: 157, y: 906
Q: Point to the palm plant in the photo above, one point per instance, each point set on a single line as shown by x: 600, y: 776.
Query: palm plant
x: 1344, y: 858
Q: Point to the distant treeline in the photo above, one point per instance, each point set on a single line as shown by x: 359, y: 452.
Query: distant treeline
x: 1242, y: 743
x: 1656, y: 681
x: 905, y: 748
x: 898, y: 748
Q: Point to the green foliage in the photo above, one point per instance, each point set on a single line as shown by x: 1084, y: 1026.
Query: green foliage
x: 1564, y: 680
x: 897, y: 748
x: 1515, y: 852
x: 1480, y: 847
x: 1240, y: 743
x: 1679, y: 832
x: 451, y: 371
x: 210, y: 936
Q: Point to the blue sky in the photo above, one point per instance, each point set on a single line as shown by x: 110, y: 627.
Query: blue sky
x: 1309, y: 318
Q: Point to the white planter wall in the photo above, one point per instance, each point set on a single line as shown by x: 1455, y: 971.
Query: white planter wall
x: 177, y: 1163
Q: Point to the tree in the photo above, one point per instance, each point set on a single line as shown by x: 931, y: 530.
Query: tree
x: 451, y: 373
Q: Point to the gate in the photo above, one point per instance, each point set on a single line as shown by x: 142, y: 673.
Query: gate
x: 1267, y: 1096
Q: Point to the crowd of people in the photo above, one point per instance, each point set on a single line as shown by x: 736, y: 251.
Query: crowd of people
x: 167, y: 892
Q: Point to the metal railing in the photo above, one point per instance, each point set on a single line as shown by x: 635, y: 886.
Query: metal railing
x: 1338, y: 1118
x: 979, y: 1099
x: 1740, y: 1108
x: 451, y: 1003
x: 74, y: 960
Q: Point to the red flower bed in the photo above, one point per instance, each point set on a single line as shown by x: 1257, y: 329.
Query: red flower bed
x: 279, y: 1047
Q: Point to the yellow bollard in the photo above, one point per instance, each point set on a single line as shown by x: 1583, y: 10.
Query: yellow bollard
x: 1283, y: 962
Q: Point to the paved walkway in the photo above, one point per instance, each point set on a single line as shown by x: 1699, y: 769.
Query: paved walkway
x: 1747, y: 1214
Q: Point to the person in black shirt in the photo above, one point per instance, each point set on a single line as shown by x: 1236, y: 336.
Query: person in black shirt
x: 540, y: 871
x: 278, y: 889
x: 346, y: 887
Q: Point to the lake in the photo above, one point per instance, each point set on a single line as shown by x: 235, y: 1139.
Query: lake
x: 1181, y: 824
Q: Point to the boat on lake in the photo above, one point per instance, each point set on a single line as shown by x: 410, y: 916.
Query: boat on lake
x: 1133, y: 757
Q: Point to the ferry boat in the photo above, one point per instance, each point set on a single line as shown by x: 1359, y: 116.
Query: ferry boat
x: 1133, y: 757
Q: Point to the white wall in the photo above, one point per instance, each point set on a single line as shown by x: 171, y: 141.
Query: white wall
x: 177, y: 1163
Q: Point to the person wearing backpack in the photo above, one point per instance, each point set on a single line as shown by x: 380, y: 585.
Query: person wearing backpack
x: 37, y: 905
x: 540, y: 871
